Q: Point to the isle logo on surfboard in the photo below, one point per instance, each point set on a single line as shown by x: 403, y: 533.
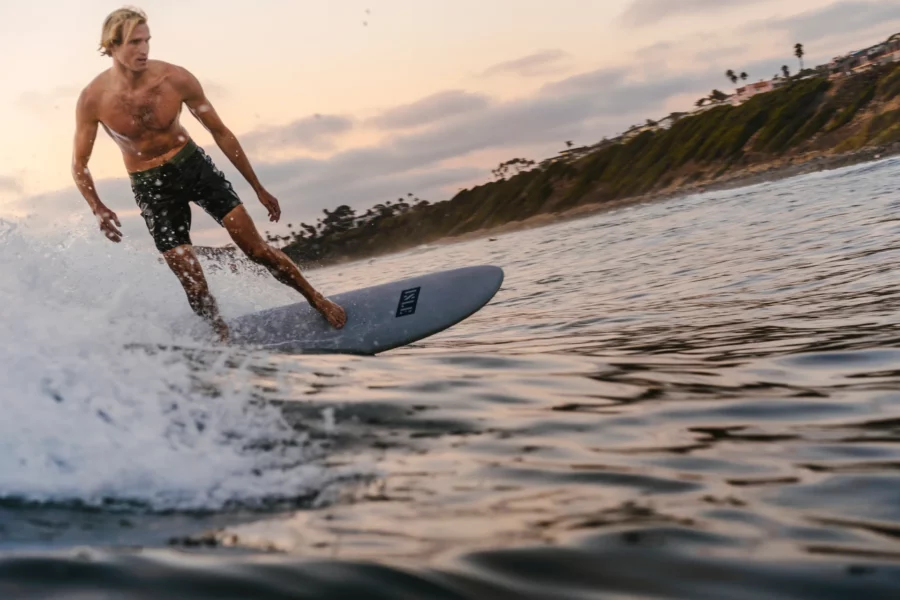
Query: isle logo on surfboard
x: 408, y: 301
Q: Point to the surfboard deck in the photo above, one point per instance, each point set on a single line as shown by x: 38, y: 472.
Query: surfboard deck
x: 379, y: 318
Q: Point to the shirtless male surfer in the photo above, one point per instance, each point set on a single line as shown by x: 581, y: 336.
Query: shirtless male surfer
x: 138, y: 102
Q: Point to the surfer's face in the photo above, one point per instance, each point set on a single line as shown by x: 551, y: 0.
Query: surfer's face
x: 134, y: 52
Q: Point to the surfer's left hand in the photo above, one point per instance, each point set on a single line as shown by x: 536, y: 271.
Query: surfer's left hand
x: 271, y: 204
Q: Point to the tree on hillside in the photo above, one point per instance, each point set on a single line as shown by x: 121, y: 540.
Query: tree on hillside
x: 717, y: 96
x: 744, y: 76
x: 799, y: 53
x: 340, y: 220
x: 517, y: 164
x: 383, y: 211
x: 701, y: 102
x: 310, y: 229
x: 786, y: 71
x: 731, y: 76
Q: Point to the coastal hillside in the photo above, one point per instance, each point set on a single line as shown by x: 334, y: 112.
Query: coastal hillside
x: 807, y: 120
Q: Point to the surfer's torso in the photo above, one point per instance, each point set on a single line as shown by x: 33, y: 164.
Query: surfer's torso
x: 143, y: 120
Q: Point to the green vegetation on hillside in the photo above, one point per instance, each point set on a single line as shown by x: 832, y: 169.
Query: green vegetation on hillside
x: 805, y: 115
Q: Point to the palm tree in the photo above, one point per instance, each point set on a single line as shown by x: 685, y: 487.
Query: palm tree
x: 786, y: 71
x: 799, y: 53
x: 701, y: 102
x: 744, y: 76
x: 731, y: 76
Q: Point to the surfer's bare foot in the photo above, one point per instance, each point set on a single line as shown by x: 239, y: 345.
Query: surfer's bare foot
x: 333, y: 313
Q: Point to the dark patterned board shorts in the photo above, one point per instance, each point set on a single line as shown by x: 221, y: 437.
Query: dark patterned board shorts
x: 164, y: 194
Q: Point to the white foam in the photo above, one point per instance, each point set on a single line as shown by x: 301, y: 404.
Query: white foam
x: 86, y: 419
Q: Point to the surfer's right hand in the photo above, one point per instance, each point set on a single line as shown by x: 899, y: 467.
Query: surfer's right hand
x: 108, y: 222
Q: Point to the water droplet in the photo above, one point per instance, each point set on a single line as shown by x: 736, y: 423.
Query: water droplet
x: 157, y: 183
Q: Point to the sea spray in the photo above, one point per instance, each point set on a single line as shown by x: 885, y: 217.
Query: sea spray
x: 101, y: 404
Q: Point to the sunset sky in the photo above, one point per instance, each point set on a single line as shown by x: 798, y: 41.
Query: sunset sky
x: 361, y: 101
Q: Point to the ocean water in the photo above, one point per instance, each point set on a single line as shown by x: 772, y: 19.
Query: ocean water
x: 697, y: 398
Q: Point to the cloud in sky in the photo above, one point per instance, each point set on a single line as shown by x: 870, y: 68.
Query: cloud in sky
x: 826, y: 32
x: 641, y: 13
x: 836, y: 19
x: 544, y: 62
x: 315, y: 132
x: 692, y: 50
x: 542, y: 118
x: 10, y: 185
x: 411, y: 161
x: 430, y: 110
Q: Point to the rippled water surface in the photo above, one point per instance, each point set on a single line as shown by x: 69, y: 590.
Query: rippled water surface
x: 696, y: 399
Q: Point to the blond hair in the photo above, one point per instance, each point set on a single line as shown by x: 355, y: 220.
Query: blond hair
x: 118, y: 26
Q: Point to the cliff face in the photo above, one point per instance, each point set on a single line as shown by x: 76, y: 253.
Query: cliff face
x: 804, y: 120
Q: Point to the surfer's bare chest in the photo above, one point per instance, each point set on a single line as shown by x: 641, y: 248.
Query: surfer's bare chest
x: 148, y: 110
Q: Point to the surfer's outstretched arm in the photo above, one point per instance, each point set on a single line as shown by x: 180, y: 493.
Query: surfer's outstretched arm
x: 86, y: 125
x: 202, y: 108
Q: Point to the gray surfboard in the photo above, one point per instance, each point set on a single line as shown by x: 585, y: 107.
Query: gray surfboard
x: 379, y: 318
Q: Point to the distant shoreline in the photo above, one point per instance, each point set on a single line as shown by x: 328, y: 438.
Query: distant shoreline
x: 776, y: 170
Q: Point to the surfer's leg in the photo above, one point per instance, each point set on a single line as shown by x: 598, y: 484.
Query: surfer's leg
x: 215, y: 194
x: 161, y: 194
x: 243, y: 232
x: 183, y: 262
